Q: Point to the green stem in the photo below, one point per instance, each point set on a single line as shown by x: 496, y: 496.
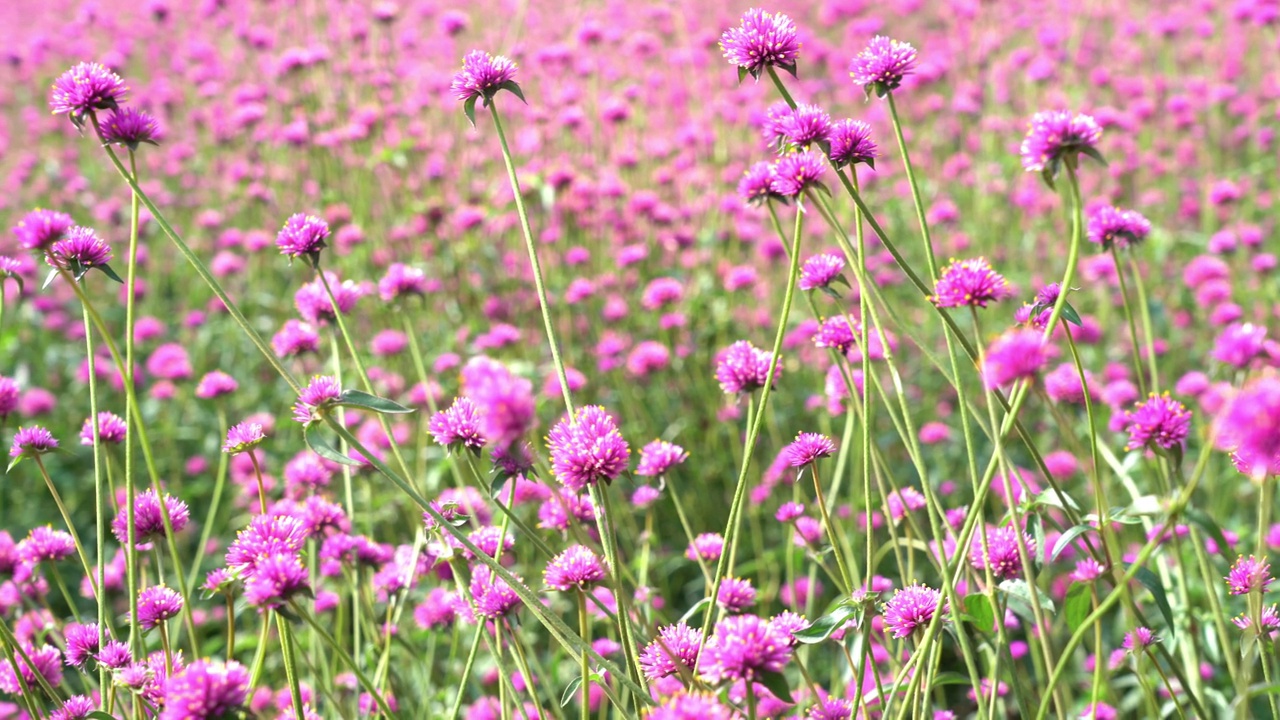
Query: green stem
x: 346, y: 659
x: 66, y: 518
x: 584, y: 629
x: 290, y: 665
x: 1133, y: 325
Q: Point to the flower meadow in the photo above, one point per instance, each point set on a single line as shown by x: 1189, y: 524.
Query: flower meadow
x: 655, y: 360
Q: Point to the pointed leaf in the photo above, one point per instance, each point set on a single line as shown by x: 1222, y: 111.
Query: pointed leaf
x: 469, y: 108
x: 871, y: 163
x: 1019, y: 589
x: 1078, y: 604
x: 823, y: 627
x: 1047, y: 175
x: 14, y: 462
x: 1152, y: 583
x: 979, y: 608
x: 777, y: 684
x: 570, y: 691
x: 513, y: 87
x: 356, y: 398
x: 950, y: 677
x: 1093, y: 153
x: 697, y: 608
x: 321, y: 447
x: 48, y: 279
x: 1070, y: 315
x: 1065, y: 540
x: 790, y: 68
x: 830, y: 292
x: 742, y: 74
x: 106, y: 270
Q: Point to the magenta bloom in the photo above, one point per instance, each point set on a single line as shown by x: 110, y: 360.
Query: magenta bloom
x: 216, y: 384
x: 205, y: 690
x: 577, y: 568
x: 691, y: 706
x: 79, y: 250
x: 808, y: 448
x: 969, y: 283
x: 1249, y: 574
x: 274, y: 580
x: 881, y: 66
x: 493, y: 597
x: 851, y: 144
x: 658, y: 457
x: 1139, y: 639
x: 911, y: 609
x: 402, y: 281
x: 1001, y: 555
x: 1239, y: 344
x: 130, y: 127
x: 1270, y: 624
x: 243, y: 437
x: 1055, y: 136
x: 77, y: 707
x: 676, y: 646
x: 295, y: 338
x: 1160, y: 422
x: 157, y: 604
x: 266, y: 535
x: 84, y: 88
x: 587, y: 449
x: 82, y: 643
x: 459, y: 426
x: 44, y: 544
x: 820, y: 271
x: 797, y: 172
x: 836, y: 332
x: 316, y: 398
x: 148, y: 521
x: 736, y: 595
x: 1250, y: 425
x: 803, y: 126
x: 302, y: 236
x: 315, y: 306
x: 742, y: 368
x: 744, y: 647
x: 506, y: 401
x: 32, y: 441
x: 47, y: 661
x: 707, y: 547
x: 1016, y: 355
x: 482, y: 76
x: 1110, y: 225
x: 39, y: 229
x: 111, y: 429
x: 9, y: 396
x: 761, y: 40
x: 756, y: 185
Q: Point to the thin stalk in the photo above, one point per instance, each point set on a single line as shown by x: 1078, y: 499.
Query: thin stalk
x: 1133, y: 325
x: 66, y: 518
x: 99, y: 496
x: 290, y: 665
x: 584, y: 629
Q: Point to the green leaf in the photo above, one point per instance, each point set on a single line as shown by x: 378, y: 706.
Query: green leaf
x: 48, y: 279
x: 1092, y: 152
x: 871, y: 163
x: 1206, y: 523
x: 469, y: 107
x: 697, y: 607
x: 790, y: 68
x: 106, y: 270
x: 742, y: 74
x: 356, y: 398
x: 1020, y: 590
x: 830, y: 292
x: 777, y: 684
x: 14, y: 462
x: 1037, y: 531
x: 950, y: 677
x: 513, y: 87
x: 570, y: 691
x: 99, y: 715
x: 823, y: 627
x: 1065, y: 540
x: 1070, y: 315
x: 1047, y: 174
x: 1078, y: 604
x: 321, y: 447
x: 979, y: 608
x: 1152, y: 583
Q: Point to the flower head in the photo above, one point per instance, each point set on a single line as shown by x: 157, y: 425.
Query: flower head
x: 851, y: 144
x: 587, y: 449
x: 1001, y: 553
x: 744, y: 647
x: 77, y: 707
x: 1016, y: 355
x: 216, y: 384
x: 482, y: 76
x: 675, y: 646
x: 808, y: 448
x: 658, y: 457
x: 707, y: 547
x: 157, y: 604
x: 736, y: 595
x: 691, y: 706
x: 1139, y: 639
x: 44, y: 544
x: 1239, y: 343
x: 756, y: 185
x: 84, y: 88
x: 1158, y: 423
x: 742, y: 368
x: 302, y: 236
x: 148, y: 518
x: 402, y: 281
x: 577, y: 568
x: 1250, y: 425
x: 274, y: 580
x: 205, y: 690
x: 796, y: 172
x: 762, y: 39
x: 969, y: 283
x: 243, y: 437
x: 39, y: 229
x: 32, y: 441
x: 130, y: 127
x: 880, y: 67
x: 459, y: 426
x: 45, y: 661
x: 316, y: 398
x: 1270, y: 624
x: 492, y: 595
x: 1249, y: 574
x: 80, y: 250
x: 820, y: 271
x: 912, y: 608
x: 803, y: 126
x: 111, y: 429
x: 1055, y: 137
x: 1110, y: 225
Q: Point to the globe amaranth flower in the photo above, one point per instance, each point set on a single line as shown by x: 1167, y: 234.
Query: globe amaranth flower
x: 743, y: 368
x: 77, y: 707
x: 45, y: 661
x: 797, y: 172
x: 266, y: 535
x: 969, y: 283
x: 39, y: 229
x: 130, y: 127
x: 912, y: 608
x: 1159, y: 423
x: 1250, y: 425
x: 1087, y: 570
x: 808, y: 448
x: 206, y: 690
x: 459, y: 426
x: 274, y: 580
x: 86, y: 87
x: 577, y: 568
x: 216, y: 384
x: 735, y: 595
x: 691, y: 706
x: 836, y: 332
x: 1270, y: 624
x: 1239, y: 343
x: 880, y: 67
x: 820, y: 271
x: 744, y: 647
x: 1001, y: 553
x: 492, y: 595
x: 1055, y: 137
x: 803, y: 126
x: 1015, y: 355
x: 851, y: 144
x: 157, y: 604
x: 756, y: 185
x: 481, y: 77
x: 675, y: 647
x: 44, y: 544
x: 1249, y: 574
x: 243, y: 437
x: 83, y: 642
x: 587, y: 449
x: 80, y: 250
x: 761, y: 40
x: 706, y: 547
x: 402, y: 281
x: 302, y: 236
x: 148, y: 517
x: 32, y: 441
x: 111, y: 429
x: 658, y: 457
x: 316, y: 398
x: 1110, y: 226
x: 834, y: 708
x: 1139, y: 639
x: 295, y: 338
